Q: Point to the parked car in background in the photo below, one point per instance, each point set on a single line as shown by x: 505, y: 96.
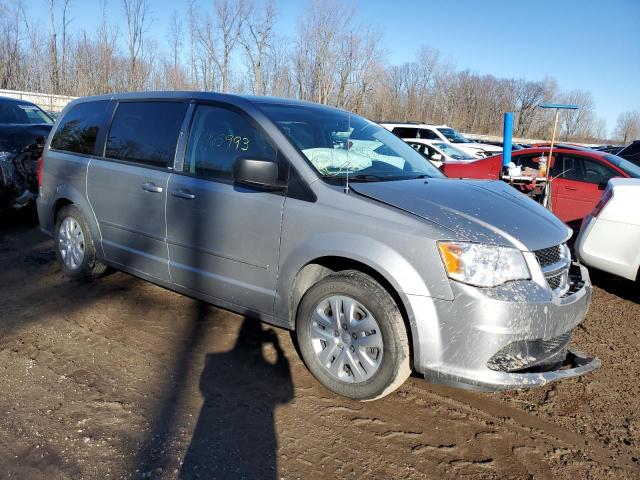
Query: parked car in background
x: 439, y: 152
x: 577, y: 175
x: 23, y: 129
x: 612, y: 149
x: 442, y: 133
x: 377, y: 261
x: 610, y: 236
x: 631, y: 152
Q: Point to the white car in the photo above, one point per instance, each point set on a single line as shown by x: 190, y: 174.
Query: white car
x: 439, y: 152
x: 610, y: 236
x: 441, y: 133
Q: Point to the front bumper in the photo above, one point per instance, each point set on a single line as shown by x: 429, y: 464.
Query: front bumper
x: 480, y: 323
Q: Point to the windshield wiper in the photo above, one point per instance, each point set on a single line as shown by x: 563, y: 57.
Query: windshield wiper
x: 368, y: 177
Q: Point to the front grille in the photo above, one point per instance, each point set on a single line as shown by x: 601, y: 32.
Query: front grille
x: 555, y: 262
x: 549, y: 256
x: 555, y: 282
x: 531, y: 355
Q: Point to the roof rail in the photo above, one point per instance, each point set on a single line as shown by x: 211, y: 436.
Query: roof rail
x: 412, y: 122
x: 566, y: 146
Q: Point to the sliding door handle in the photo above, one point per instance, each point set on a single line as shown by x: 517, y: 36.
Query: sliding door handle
x: 151, y: 187
x: 186, y: 194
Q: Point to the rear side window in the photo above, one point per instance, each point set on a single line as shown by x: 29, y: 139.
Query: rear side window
x: 406, y: 132
x: 218, y: 137
x: 79, y: 128
x: 145, y: 132
x: 427, y: 134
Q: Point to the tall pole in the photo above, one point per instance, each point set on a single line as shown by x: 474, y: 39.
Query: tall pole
x: 553, y: 140
x: 507, y: 139
x: 547, y: 187
x: 546, y: 200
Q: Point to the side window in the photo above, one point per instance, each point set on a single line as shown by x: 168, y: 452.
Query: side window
x: 527, y: 161
x: 145, y: 132
x: 596, y: 172
x: 217, y: 138
x: 428, y: 134
x: 416, y: 146
x: 581, y: 169
x: 405, y: 132
x: 79, y: 128
x: 571, y: 168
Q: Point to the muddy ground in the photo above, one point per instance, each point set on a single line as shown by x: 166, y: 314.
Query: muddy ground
x: 119, y: 378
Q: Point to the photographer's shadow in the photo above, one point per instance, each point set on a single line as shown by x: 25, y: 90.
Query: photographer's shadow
x: 235, y: 436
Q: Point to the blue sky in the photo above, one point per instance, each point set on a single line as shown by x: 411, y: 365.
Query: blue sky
x: 589, y: 45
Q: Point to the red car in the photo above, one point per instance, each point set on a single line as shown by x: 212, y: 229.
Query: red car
x: 577, y: 176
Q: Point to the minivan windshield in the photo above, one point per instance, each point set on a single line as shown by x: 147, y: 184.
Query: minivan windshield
x: 453, y: 136
x: 340, y: 144
x: 22, y: 113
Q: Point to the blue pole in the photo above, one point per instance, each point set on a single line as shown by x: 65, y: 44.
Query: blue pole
x: 507, y: 137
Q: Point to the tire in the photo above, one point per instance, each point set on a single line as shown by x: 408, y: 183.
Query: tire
x: 367, y: 360
x: 72, y: 229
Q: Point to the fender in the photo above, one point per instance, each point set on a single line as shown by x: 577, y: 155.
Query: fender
x: 67, y: 192
x: 390, y: 264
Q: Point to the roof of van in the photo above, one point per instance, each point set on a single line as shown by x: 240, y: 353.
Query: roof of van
x: 201, y: 95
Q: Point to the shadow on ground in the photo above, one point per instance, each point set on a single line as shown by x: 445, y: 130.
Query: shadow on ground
x: 614, y: 285
x: 235, y: 434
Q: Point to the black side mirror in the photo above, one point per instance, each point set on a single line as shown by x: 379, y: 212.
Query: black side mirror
x: 603, y: 185
x: 257, y: 173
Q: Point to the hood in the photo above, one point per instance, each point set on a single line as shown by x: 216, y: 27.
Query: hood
x: 479, y: 211
x: 484, y: 146
x: 15, y: 137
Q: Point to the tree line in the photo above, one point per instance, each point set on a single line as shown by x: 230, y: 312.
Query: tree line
x: 235, y: 46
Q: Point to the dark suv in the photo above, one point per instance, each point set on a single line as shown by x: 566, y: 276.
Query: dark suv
x: 23, y: 130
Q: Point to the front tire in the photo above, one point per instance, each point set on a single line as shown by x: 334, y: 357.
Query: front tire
x: 352, y: 336
x: 75, y: 248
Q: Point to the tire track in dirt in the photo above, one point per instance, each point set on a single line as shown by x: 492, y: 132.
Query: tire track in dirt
x: 530, y: 423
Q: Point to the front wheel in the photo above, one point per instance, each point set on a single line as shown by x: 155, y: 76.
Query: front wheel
x: 352, y: 336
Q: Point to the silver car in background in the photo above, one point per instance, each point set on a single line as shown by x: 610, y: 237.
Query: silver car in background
x: 319, y: 221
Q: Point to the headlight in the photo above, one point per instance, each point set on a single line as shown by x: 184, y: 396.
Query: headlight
x: 4, y: 156
x: 482, y: 265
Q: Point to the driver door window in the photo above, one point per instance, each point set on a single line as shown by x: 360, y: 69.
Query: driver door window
x: 218, y: 137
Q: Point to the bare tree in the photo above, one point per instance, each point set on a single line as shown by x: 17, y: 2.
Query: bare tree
x: 57, y: 64
x: 628, y: 127
x: 137, y: 19
x: 257, y: 41
x: 315, y: 58
x: 219, y: 36
x: 528, y: 96
x: 576, y: 123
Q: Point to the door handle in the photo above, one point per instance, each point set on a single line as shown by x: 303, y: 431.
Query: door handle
x: 151, y: 187
x: 186, y: 194
x: 573, y: 189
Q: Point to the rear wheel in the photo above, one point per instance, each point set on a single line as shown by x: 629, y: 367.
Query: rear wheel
x: 352, y: 336
x: 75, y: 248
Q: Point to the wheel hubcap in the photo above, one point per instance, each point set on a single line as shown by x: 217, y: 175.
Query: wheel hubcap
x: 346, y: 339
x: 71, y: 243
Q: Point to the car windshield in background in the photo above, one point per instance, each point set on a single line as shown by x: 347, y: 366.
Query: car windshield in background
x: 23, y: 114
x: 453, y: 136
x: 338, y: 144
x: 453, y: 152
x: 631, y: 168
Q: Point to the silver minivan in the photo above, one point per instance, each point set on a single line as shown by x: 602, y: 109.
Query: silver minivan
x: 319, y: 221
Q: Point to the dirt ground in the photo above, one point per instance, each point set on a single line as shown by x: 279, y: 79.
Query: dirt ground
x: 119, y: 378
